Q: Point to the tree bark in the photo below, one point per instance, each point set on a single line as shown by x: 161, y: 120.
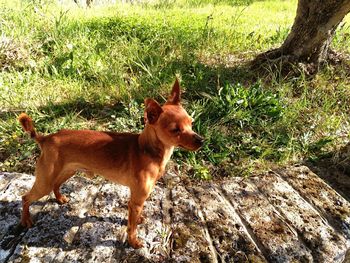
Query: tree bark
x: 311, y: 34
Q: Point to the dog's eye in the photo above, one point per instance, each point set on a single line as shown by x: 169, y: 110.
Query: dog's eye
x: 175, y: 130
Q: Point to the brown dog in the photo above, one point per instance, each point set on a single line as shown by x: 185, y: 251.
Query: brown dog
x: 134, y: 160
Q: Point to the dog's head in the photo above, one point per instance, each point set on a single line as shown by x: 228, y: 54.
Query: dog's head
x: 171, y: 122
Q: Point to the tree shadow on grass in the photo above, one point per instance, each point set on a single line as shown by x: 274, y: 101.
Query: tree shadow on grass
x: 86, y: 109
x: 200, y: 77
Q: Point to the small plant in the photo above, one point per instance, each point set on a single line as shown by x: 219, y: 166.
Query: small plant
x: 234, y: 122
x: 129, y: 119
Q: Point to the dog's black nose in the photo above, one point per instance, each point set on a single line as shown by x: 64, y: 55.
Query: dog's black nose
x: 198, y: 139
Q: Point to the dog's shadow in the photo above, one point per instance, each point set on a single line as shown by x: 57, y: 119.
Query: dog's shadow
x: 60, y: 229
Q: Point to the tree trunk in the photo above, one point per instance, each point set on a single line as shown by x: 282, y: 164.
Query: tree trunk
x: 310, y: 36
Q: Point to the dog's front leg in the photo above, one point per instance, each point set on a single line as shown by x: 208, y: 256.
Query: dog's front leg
x: 135, y: 209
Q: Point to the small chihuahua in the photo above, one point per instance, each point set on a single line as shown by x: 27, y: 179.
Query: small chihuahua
x: 133, y: 160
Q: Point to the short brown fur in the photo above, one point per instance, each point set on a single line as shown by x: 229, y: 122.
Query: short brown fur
x: 133, y: 160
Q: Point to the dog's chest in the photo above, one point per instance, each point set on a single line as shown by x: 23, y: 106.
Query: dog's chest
x: 166, y: 157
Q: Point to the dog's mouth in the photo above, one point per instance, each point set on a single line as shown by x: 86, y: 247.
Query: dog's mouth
x: 193, y: 142
x: 181, y: 146
x: 193, y: 148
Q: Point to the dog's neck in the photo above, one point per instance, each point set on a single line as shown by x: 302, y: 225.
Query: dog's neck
x: 150, y: 144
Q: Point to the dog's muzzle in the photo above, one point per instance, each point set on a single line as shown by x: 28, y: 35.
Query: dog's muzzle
x: 198, y: 140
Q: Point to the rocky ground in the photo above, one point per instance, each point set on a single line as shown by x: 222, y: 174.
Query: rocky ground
x: 287, y: 215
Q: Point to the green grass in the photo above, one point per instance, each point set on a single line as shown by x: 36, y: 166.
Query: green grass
x: 72, y: 67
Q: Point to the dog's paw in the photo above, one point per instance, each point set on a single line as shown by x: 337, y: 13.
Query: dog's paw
x: 136, y: 244
x: 141, y: 220
x: 62, y: 199
x: 27, y: 222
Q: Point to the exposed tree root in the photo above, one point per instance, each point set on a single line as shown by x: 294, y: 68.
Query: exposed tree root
x: 335, y: 58
x: 274, y: 62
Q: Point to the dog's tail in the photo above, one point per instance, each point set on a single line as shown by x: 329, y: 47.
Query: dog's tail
x: 28, y: 126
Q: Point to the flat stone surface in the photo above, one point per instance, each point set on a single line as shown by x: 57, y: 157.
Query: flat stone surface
x: 287, y: 215
x: 276, y: 238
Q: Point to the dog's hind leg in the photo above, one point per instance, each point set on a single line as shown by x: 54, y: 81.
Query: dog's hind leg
x: 44, y: 174
x: 64, y: 176
x: 33, y: 195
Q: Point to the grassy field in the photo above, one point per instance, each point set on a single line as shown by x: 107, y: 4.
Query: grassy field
x: 71, y: 67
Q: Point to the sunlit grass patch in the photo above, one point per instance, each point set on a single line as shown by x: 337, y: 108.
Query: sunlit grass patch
x: 74, y: 67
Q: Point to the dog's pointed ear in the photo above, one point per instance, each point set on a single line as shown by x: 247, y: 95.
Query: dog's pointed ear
x: 152, y: 111
x: 175, y: 95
